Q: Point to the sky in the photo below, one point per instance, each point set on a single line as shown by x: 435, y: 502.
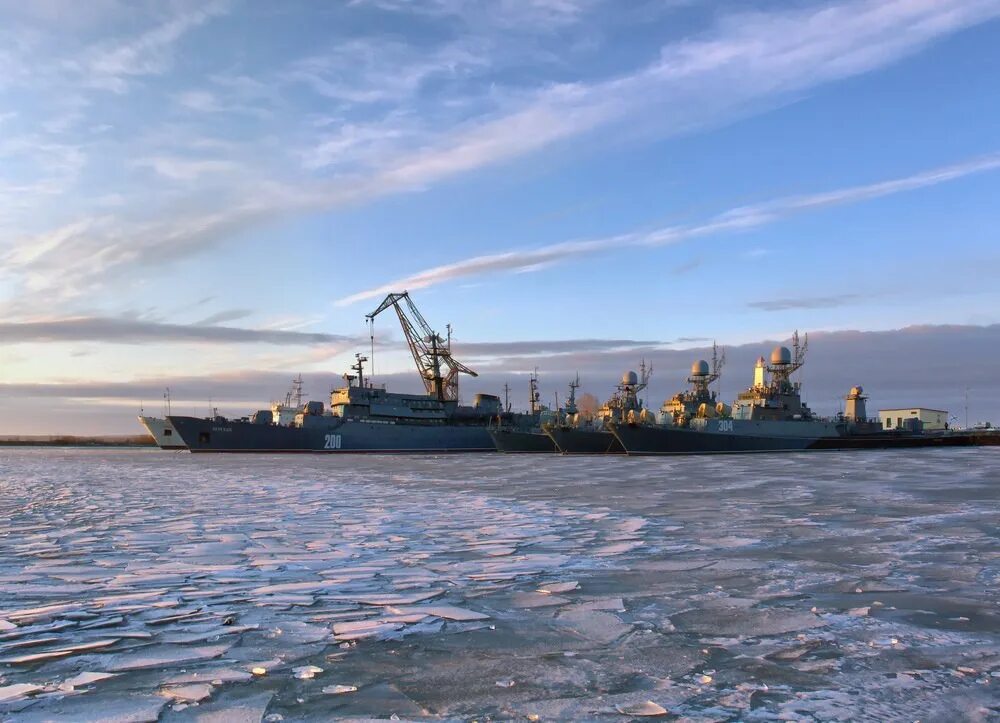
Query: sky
x: 210, y: 196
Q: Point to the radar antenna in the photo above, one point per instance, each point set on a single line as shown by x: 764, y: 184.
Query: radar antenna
x: 430, y: 352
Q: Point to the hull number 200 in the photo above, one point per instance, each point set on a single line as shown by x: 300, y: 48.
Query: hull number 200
x: 331, y: 441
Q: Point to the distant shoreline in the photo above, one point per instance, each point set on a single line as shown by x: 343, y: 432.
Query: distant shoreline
x: 68, y: 440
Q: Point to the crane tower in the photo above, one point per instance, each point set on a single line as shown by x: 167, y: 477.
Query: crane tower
x: 432, y: 354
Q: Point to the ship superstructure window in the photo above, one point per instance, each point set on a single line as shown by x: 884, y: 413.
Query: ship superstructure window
x: 168, y: 433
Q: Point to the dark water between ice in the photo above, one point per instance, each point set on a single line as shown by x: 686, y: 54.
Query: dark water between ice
x: 829, y: 586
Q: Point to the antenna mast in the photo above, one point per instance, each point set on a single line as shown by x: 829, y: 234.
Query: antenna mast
x: 431, y: 353
x: 533, y: 396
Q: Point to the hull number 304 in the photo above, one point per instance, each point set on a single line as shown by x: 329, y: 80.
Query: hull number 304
x: 331, y: 441
x: 725, y: 425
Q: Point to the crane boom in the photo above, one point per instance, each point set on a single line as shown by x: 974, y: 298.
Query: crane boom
x: 432, y: 354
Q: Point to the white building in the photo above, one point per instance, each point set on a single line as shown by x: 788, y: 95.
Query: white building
x: 896, y: 418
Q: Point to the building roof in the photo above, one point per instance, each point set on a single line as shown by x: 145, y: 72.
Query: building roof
x: 910, y: 409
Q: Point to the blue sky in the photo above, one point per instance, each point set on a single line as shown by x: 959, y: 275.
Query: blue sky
x: 651, y: 172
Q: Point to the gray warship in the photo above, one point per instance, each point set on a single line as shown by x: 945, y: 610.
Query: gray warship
x: 769, y: 416
x: 363, y: 417
x: 576, y: 435
x: 512, y: 437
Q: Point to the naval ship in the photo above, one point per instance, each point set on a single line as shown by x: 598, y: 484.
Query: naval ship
x: 513, y: 437
x: 362, y: 417
x: 769, y: 416
x: 577, y: 435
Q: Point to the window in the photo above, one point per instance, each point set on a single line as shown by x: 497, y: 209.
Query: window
x: 888, y: 422
x: 168, y: 433
x: 899, y: 421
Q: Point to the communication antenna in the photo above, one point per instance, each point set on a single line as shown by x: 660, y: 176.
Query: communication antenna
x: 966, y: 407
x: 506, y: 397
x: 166, y: 399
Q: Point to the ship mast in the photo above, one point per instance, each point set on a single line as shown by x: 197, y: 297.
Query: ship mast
x: 432, y: 354
x: 533, y: 396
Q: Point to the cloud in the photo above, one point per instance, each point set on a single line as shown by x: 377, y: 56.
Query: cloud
x: 735, y: 219
x: 547, y: 346
x: 187, y: 169
x: 223, y: 316
x: 133, y: 331
x: 111, y: 65
x: 434, y: 109
x: 813, y: 302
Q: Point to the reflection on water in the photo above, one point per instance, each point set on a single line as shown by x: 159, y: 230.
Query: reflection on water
x: 835, y: 586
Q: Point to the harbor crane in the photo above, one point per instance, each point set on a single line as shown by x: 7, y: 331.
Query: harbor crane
x: 432, y: 354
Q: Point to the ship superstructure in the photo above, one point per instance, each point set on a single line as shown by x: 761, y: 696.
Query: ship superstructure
x: 575, y: 434
x: 700, y: 400
x: 773, y: 396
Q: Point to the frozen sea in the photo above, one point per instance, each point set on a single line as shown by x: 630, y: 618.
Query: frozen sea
x: 141, y: 585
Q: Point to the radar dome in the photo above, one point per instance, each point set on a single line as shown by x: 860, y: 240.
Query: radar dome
x: 630, y: 379
x: 781, y: 355
x: 857, y: 391
x: 699, y: 368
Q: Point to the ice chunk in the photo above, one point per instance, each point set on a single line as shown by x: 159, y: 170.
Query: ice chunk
x: 339, y: 689
x: 191, y: 693
x: 18, y: 691
x: 247, y: 710
x: 306, y: 672
x: 140, y: 709
x: 211, y: 675
x: 379, y: 629
x: 595, y: 625
x: 165, y: 655
x: 536, y: 600
x: 448, y: 612
x: 646, y: 709
x: 397, y: 599
x: 554, y: 587
x: 82, y: 679
x: 6, y: 625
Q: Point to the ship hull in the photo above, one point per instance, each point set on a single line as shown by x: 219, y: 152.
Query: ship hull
x: 331, y: 435
x: 649, y: 440
x: 653, y: 440
x: 569, y: 440
x: 162, y: 432
x: 511, y: 441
